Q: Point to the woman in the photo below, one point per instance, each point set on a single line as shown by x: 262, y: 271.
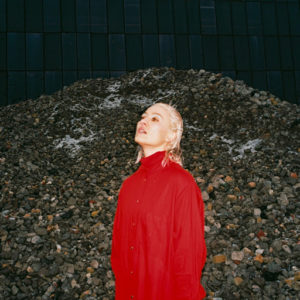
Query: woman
x: 158, y: 247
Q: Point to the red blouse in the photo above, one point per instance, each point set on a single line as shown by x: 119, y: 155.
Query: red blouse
x: 158, y: 248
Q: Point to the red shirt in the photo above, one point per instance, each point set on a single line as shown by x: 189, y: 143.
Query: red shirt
x: 158, y: 247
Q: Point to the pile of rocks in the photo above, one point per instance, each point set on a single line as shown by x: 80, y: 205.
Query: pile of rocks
x: 63, y: 158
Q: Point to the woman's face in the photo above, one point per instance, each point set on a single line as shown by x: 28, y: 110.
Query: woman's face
x: 153, y: 131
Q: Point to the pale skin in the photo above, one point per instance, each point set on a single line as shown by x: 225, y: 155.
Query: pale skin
x: 153, y: 131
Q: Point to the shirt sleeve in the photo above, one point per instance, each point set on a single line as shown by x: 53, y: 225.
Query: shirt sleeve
x: 189, y: 244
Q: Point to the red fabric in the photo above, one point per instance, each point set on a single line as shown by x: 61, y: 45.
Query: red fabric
x: 158, y: 247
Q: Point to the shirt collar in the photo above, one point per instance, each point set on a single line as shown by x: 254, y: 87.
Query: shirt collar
x: 153, y: 162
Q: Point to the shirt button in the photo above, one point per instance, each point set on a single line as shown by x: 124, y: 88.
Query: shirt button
x: 131, y: 272
x: 145, y: 179
x: 137, y: 201
x: 131, y: 248
x: 133, y: 224
x: 131, y: 297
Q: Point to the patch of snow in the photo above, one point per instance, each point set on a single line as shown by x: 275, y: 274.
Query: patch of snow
x: 250, y: 145
x: 111, y: 102
x: 114, y: 88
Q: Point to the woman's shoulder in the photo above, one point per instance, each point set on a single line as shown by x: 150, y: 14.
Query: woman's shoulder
x: 179, y: 174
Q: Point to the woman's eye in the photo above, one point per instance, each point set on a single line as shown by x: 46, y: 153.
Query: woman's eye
x: 155, y: 119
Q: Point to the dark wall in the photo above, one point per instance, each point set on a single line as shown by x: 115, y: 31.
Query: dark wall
x: 46, y: 44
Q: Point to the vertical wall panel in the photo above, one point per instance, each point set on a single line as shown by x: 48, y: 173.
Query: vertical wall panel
x: 208, y: 17
x: 15, y: 52
x: 180, y: 14
x: 231, y: 74
x: 53, y: 81
x: 52, y: 15
x: 223, y: 17
x: 68, y: 13
x: 165, y: 16
x: 167, y: 50
x: 3, y: 89
x: 242, y: 56
x: 117, y: 57
x: 3, y: 47
x: 83, y: 15
x: 99, y: 51
x: 259, y: 80
x: 294, y: 17
x: 69, y: 51
x: 254, y: 18
x: 34, y: 84
x: 34, y: 16
x: 34, y: 51
x: 15, y: 15
x: 210, y: 52
x: 286, y: 53
x: 83, y: 51
x: 289, y: 85
x: 239, y: 18
x: 282, y: 18
x: 182, y: 52
x: 52, y: 51
x: 132, y: 16
x: 297, y: 79
x: 134, y: 52
x: 115, y: 16
x: 275, y: 83
x: 150, y: 50
x: 257, y: 52
x: 16, y: 87
x: 84, y: 74
x: 245, y: 76
x: 196, y: 52
x: 2, y: 15
x: 226, y: 51
x: 100, y: 74
x: 296, y: 51
x: 269, y: 18
x: 272, y: 53
x: 193, y: 16
x: 69, y: 77
x: 148, y: 16
x: 98, y: 16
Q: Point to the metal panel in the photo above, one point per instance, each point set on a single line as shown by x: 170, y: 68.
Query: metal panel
x: 297, y: 79
x: 3, y: 45
x: 223, y: 17
x: 245, y: 76
x: 254, y: 18
x: 180, y: 19
x: 16, y: 87
x: 242, y: 55
x: 132, y: 16
x: 286, y: 53
x: 83, y: 15
x: 3, y: 89
x: 98, y: 16
x: 117, y: 57
x: 275, y: 83
x: 34, y: 51
x: 69, y: 77
x: 294, y: 17
x: 196, y: 52
x: 239, y: 18
x: 34, y: 84
x: 69, y: 51
x: 99, y: 52
x: 182, y: 52
x: 52, y: 15
x: 15, y: 15
x: 100, y: 74
x: 226, y: 51
x: 148, y: 16
x: 282, y: 18
x: 208, y: 17
x: 68, y: 12
x: 210, y: 51
x: 231, y: 74
x: 268, y: 10
x: 83, y: 51
x: 150, y: 50
x: 134, y: 52
x: 84, y: 74
x: 296, y: 51
x: 15, y: 51
x: 288, y: 80
x: 53, y: 81
x: 2, y: 16
x: 193, y: 16
x: 165, y: 16
x: 34, y: 16
x: 115, y: 16
x: 52, y: 51
x: 257, y: 52
x: 272, y: 53
x: 259, y: 80
x: 167, y: 50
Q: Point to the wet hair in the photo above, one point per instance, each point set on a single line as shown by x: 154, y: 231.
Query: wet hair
x: 173, y: 151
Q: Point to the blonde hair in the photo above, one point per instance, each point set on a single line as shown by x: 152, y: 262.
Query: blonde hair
x: 173, y: 151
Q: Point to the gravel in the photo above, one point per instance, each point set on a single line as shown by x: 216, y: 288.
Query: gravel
x: 64, y: 156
